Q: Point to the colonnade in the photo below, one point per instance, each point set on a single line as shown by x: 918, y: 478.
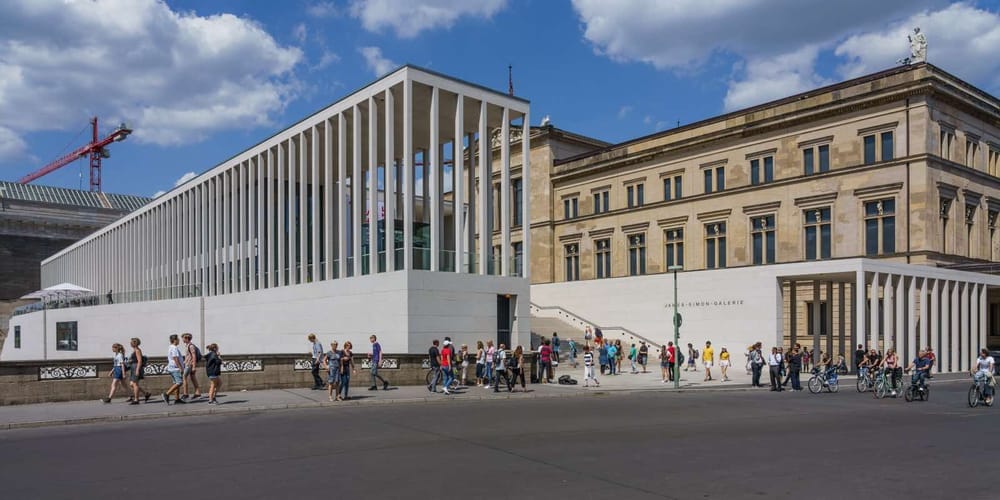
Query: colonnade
x: 325, y: 199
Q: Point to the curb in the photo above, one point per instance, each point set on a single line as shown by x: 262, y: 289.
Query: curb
x: 598, y: 392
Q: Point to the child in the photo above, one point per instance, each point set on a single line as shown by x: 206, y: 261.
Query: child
x: 588, y: 367
x: 117, y: 373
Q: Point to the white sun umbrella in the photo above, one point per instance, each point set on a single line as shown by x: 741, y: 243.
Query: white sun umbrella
x: 59, y: 291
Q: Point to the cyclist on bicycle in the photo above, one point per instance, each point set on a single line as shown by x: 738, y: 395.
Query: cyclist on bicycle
x: 983, y: 374
x: 892, y: 369
x: 865, y: 364
x: 920, y: 366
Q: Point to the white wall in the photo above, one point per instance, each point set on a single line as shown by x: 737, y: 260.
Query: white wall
x: 731, y: 307
x: 405, y: 309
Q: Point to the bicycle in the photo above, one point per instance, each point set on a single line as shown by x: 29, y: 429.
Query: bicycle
x: 821, y: 379
x: 917, y: 390
x: 865, y: 381
x: 882, y: 385
x: 977, y: 393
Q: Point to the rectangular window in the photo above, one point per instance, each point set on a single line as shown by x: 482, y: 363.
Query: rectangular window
x: 601, y: 202
x: 637, y: 254
x: 822, y: 318
x: 720, y: 178
x: 715, y: 245
x: 708, y: 180
x: 571, y: 208
x: 634, y: 195
x: 674, y: 247
x: 817, y: 233
x: 640, y: 194
x: 630, y: 196
x: 517, y: 250
x: 886, y: 145
x: 667, y: 189
x: 970, y: 225
x: 677, y: 188
x: 807, y: 161
x: 603, y: 257
x: 66, y: 338
x: 945, y: 210
x: 869, y: 143
x: 811, y: 164
x: 824, y: 158
x: 947, y: 139
x: 880, y: 227
x: 17, y: 337
x: 517, y: 207
x: 572, y: 261
x: 754, y: 172
x: 762, y: 237
x: 971, y: 150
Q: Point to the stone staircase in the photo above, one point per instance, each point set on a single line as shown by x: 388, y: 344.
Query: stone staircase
x: 548, y: 319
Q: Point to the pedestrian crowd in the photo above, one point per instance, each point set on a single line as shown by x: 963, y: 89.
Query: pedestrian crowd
x: 182, y: 365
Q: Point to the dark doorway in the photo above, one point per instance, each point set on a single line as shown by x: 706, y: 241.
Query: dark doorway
x: 505, y: 320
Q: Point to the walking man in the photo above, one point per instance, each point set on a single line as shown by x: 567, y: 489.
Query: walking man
x: 435, y: 358
x: 317, y: 356
x: 756, y: 365
x: 707, y: 359
x: 643, y: 355
x: 446, y: 357
x: 192, y: 355
x: 175, y: 367
x: 376, y: 359
x: 774, y: 363
x: 555, y: 347
x: 795, y: 367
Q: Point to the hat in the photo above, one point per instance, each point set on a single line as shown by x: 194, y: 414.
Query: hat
x: 447, y: 342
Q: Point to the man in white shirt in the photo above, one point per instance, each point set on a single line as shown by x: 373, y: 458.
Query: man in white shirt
x: 175, y: 365
x: 774, y: 361
x: 984, y: 374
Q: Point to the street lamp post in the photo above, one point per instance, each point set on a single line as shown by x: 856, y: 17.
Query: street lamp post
x: 677, y: 330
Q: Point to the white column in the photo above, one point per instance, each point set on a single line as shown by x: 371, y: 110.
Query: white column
x: 303, y: 156
x: 259, y: 226
x: 485, y: 185
x: 373, y: 185
x: 273, y: 214
x: 956, y: 328
x: 964, y: 340
x: 239, y: 217
x: 899, y: 316
x: 293, y: 209
x: 408, y: 174
x: 972, y: 338
x: 911, y: 320
x: 282, y: 209
x: 935, y: 323
x: 983, y: 312
x: 227, y: 231
x: 316, y: 219
x: 357, y: 199
x: 342, y: 195
x: 330, y: 197
x: 433, y: 158
x: 873, y: 306
x: 889, y: 298
x: 859, y: 306
x: 389, y: 185
x: 526, y: 200
x: 505, y: 193
x: 458, y: 182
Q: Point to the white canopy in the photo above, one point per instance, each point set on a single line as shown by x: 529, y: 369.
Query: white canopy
x: 58, y: 291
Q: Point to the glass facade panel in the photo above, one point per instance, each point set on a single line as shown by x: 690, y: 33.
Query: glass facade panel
x: 869, y: 146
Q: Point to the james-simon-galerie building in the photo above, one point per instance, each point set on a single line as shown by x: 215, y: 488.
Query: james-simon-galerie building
x: 860, y: 213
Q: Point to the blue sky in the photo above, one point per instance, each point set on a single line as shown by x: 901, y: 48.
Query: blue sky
x: 202, y: 81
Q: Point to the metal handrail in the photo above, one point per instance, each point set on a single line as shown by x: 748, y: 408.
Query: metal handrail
x: 584, y: 321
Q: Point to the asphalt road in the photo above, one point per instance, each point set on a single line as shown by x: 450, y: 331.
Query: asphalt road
x: 648, y: 445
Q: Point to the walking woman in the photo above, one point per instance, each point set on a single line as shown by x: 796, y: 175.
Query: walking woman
x: 213, y: 369
x: 480, y: 363
x: 117, y: 373
x: 665, y: 364
x: 724, y: 364
x: 464, y: 353
x: 346, y: 367
x: 619, y: 355
x: 138, y: 363
x: 331, y: 361
x: 517, y: 369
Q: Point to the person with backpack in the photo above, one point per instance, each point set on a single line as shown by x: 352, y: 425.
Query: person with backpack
x: 545, y: 360
x: 213, y: 369
x: 692, y: 356
x: 633, y: 353
x: 588, y: 367
x: 136, y: 365
x: 672, y: 360
x: 516, y: 365
x: 555, y: 346
x: 756, y: 365
x: 447, y: 355
x: 192, y: 355
x: 643, y: 355
x: 376, y: 361
x: 588, y: 335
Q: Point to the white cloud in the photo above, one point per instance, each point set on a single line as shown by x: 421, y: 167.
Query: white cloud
x: 685, y: 36
x: 184, y: 178
x: 300, y: 33
x: 376, y: 62
x: 12, y: 146
x: 175, y: 77
x: 322, y: 10
x: 325, y: 59
x: 961, y: 39
x: 408, y: 18
x: 647, y: 119
x: 624, y: 111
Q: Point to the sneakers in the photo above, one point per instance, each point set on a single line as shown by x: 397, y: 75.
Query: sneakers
x: 212, y: 402
x: 165, y: 398
x: 133, y: 402
x: 893, y: 393
x: 373, y: 388
x: 445, y: 391
x: 185, y: 397
x: 105, y: 400
x: 385, y: 386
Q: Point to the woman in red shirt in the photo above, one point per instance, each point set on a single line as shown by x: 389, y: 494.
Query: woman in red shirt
x: 545, y: 355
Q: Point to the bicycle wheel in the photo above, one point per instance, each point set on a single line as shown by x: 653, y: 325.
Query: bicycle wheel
x: 910, y: 393
x: 429, y: 378
x: 881, y: 389
x: 833, y: 385
x: 925, y: 394
x: 862, y: 384
x: 973, y: 396
x: 815, y: 384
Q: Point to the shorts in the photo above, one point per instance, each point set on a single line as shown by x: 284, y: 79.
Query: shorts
x: 135, y: 377
x: 116, y: 373
x: 176, y: 377
x: 708, y: 364
x: 664, y: 364
x: 724, y: 363
x: 213, y: 377
x: 188, y: 371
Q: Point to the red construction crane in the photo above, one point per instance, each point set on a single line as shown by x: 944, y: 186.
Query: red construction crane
x: 96, y: 149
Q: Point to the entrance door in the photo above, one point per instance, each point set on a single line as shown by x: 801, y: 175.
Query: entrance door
x: 505, y: 320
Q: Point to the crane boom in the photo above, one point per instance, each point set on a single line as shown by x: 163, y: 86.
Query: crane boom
x: 95, y: 149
